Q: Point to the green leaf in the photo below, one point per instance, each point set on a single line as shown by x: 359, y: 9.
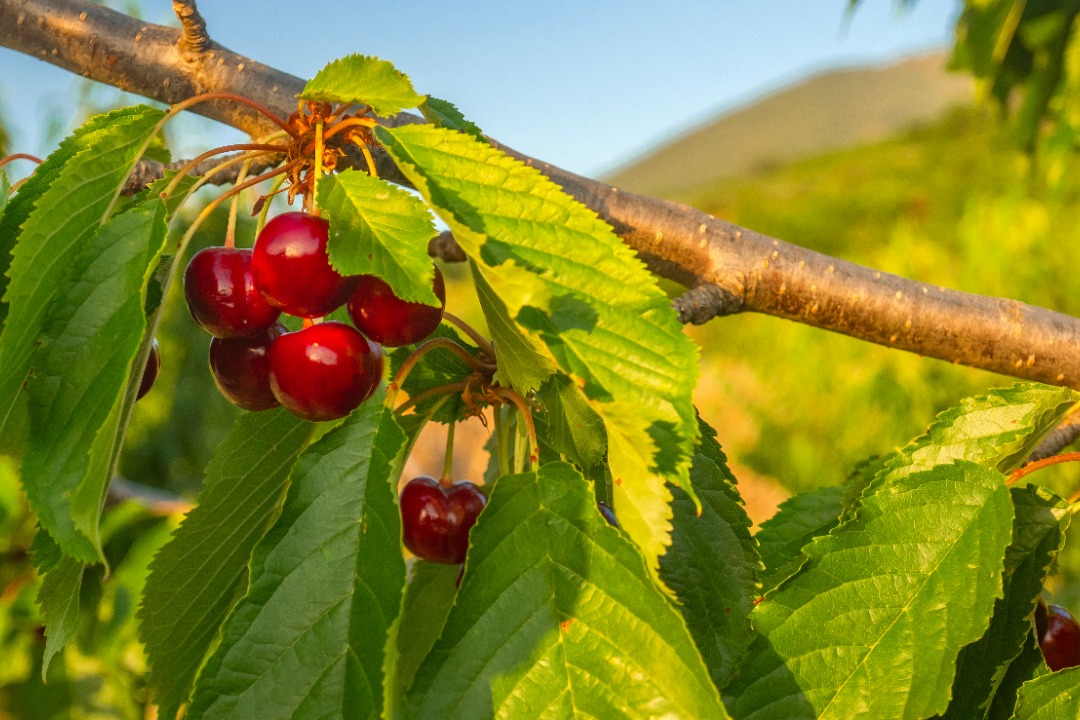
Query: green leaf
x: 998, y: 430
x: 59, y: 601
x: 308, y: 638
x: 81, y: 375
x: 712, y: 567
x: 557, y: 616
x: 1029, y: 664
x: 363, y: 80
x: 424, y: 609
x: 570, y: 426
x: 194, y: 579
x: 65, y: 216
x: 1050, y: 697
x: 797, y: 521
x: 379, y: 229
x: 569, y: 285
x: 1038, y: 534
x: 444, y: 114
x: 437, y: 368
x: 868, y: 611
x: 523, y: 361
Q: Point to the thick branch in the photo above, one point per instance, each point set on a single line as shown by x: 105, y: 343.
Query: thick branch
x: 750, y: 272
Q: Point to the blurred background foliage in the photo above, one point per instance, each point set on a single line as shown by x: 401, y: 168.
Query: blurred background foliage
x: 983, y: 198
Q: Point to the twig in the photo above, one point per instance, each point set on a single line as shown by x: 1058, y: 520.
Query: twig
x: 194, y: 40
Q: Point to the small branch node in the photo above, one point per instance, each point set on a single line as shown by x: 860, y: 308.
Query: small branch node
x: 704, y: 302
x: 194, y: 40
x: 445, y: 247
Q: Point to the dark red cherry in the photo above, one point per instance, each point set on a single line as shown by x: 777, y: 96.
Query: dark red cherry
x: 292, y: 270
x: 1061, y: 642
x: 241, y: 368
x: 389, y: 320
x: 436, y: 520
x: 608, y: 513
x: 322, y: 372
x: 150, y: 372
x: 221, y: 295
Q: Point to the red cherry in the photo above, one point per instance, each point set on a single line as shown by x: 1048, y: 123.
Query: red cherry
x: 436, y: 520
x: 389, y: 320
x: 241, y: 368
x: 150, y: 372
x: 1061, y: 642
x: 322, y: 372
x: 291, y: 267
x: 221, y: 295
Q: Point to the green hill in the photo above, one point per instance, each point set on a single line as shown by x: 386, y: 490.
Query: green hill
x: 832, y: 110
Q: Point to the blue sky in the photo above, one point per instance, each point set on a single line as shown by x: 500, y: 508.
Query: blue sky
x: 586, y: 85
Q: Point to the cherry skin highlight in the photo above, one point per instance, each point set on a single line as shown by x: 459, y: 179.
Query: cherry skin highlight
x: 1060, y: 643
x: 241, y: 368
x: 221, y: 295
x: 389, y: 320
x: 150, y: 372
x: 436, y: 520
x: 291, y: 267
x: 322, y: 372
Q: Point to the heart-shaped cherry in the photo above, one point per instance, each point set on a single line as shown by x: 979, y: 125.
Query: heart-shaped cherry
x: 150, y: 372
x: 436, y: 519
x: 291, y: 267
x: 325, y: 371
x: 241, y: 368
x: 389, y: 320
x: 1060, y: 641
x: 221, y: 295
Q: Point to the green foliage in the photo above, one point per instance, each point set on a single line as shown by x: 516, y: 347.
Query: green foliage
x: 363, y: 80
x: 1050, y: 696
x: 550, y: 626
x: 796, y: 522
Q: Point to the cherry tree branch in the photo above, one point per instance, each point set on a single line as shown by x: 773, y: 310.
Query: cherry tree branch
x: 728, y: 268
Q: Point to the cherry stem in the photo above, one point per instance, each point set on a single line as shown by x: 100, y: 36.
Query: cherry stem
x: 275, y: 188
x: 526, y: 414
x: 1040, y: 464
x: 190, y: 164
x: 447, y: 478
x: 258, y: 107
x: 502, y: 427
x: 423, y: 349
x: 230, y: 229
x: 205, y: 178
x: 448, y: 389
x: 348, y: 123
x: 20, y: 156
x: 473, y: 334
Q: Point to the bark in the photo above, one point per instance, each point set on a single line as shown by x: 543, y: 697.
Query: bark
x: 729, y: 268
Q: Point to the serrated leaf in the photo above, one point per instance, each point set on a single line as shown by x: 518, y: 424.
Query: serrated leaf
x: 81, y: 372
x: 379, y: 229
x: 1038, y: 534
x: 59, y: 602
x: 308, y: 638
x: 797, y: 521
x: 1051, y: 697
x: 569, y: 425
x: 558, y: 617
x: 363, y: 80
x: 65, y: 215
x: 712, y: 567
x: 424, y: 609
x: 523, y: 361
x: 997, y: 430
x: 444, y: 114
x: 873, y: 626
x: 1029, y: 664
x: 193, y: 580
x: 567, y: 281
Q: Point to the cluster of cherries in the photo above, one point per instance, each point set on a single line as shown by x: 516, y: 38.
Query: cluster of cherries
x: 323, y: 371
x: 1059, y: 636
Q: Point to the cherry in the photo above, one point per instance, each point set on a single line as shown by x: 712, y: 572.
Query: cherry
x: 608, y: 514
x: 436, y: 519
x: 1060, y: 642
x: 389, y: 320
x: 241, y: 368
x: 292, y: 269
x: 150, y: 372
x: 323, y: 372
x: 221, y: 295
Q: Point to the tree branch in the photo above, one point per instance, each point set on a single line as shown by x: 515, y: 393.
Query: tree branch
x: 747, y: 271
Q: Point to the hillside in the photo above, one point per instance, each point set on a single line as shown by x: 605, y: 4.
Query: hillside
x: 835, y: 109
